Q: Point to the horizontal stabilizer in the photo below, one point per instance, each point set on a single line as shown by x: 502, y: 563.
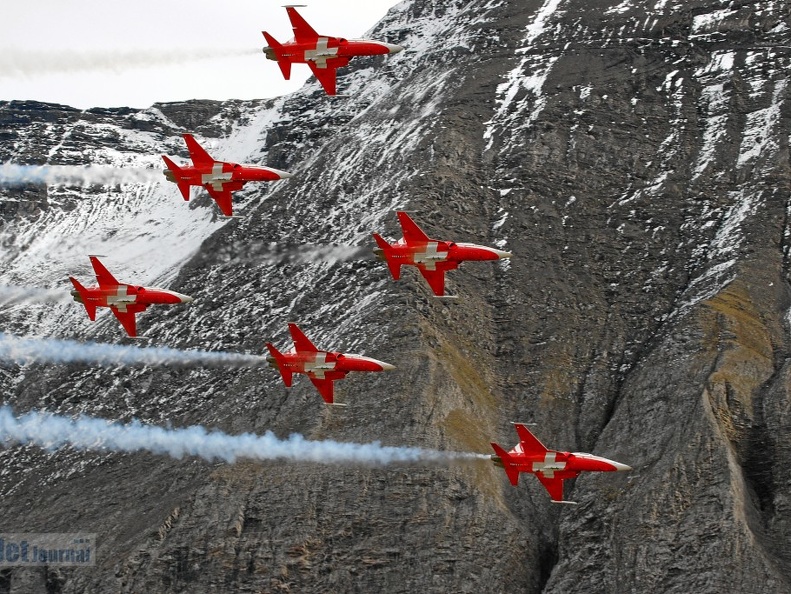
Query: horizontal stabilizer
x: 81, y: 291
x: 273, y: 43
x: 276, y: 48
x: 510, y: 470
x: 184, y: 187
x: 564, y: 502
x: 394, y: 266
x: 171, y: 164
x: 381, y: 242
x: 288, y: 377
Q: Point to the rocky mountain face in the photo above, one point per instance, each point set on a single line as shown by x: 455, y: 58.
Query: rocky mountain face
x: 634, y: 157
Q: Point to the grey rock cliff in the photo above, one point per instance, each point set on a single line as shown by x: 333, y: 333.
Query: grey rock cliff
x: 633, y: 156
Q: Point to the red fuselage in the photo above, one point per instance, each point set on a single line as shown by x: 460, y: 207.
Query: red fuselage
x: 229, y: 176
x: 551, y: 467
x: 448, y: 254
x: 562, y: 465
x: 330, y: 364
x: 124, y: 295
x: 336, y: 49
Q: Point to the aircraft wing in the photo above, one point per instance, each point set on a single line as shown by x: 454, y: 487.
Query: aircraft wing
x: 327, y: 77
x: 412, y: 233
x: 530, y: 443
x: 200, y: 158
x: 103, y: 276
x: 553, y: 485
x: 126, y: 316
x: 302, y: 31
x: 435, y: 279
x: 325, y: 388
x: 301, y: 342
x: 222, y: 198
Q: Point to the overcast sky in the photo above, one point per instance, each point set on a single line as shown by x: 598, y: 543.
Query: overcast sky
x: 106, y: 53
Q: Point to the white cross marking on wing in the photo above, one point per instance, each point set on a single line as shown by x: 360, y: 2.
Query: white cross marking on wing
x: 216, y: 178
x: 319, y: 365
x: 430, y: 256
x: 121, y: 298
x: 549, y: 465
x: 321, y: 53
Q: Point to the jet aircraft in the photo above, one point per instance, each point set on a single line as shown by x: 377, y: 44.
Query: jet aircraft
x: 218, y: 177
x: 432, y: 258
x: 322, y: 53
x: 551, y: 467
x: 124, y: 300
x: 322, y: 367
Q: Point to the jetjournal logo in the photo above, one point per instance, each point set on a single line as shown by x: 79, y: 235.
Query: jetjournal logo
x: 52, y: 549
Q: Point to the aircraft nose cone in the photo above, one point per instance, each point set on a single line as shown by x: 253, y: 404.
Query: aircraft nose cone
x: 386, y: 366
x: 502, y: 255
x: 184, y: 298
x: 621, y: 467
x: 282, y: 174
x: 393, y: 48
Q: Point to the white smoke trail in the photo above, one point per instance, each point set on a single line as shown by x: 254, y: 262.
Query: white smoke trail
x: 15, y: 295
x: 76, y: 175
x: 49, y: 350
x: 278, y: 253
x: 51, y: 431
x: 16, y: 62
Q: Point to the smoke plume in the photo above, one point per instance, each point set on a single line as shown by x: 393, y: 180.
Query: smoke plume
x: 76, y: 175
x: 10, y: 295
x: 50, y: 350
x: 18, y: 62
x: 274, y: 253
x: 51, y: 431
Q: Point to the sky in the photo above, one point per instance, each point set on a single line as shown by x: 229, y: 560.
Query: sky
x: 107, y: 53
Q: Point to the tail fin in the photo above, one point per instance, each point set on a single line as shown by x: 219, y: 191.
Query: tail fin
x: 184, y: 187
x: 83, y: 298
x: 276, y: 46
x: 395, y: 267
x: 288, y: 377
x: 510, y: 470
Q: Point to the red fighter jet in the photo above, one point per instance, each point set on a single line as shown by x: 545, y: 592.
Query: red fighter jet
x: 123, y: 300
x: 218, y: 177
x: 323, y: 54
x: 433, y: 258
x: 550, y: 466
x: 322, y: 367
